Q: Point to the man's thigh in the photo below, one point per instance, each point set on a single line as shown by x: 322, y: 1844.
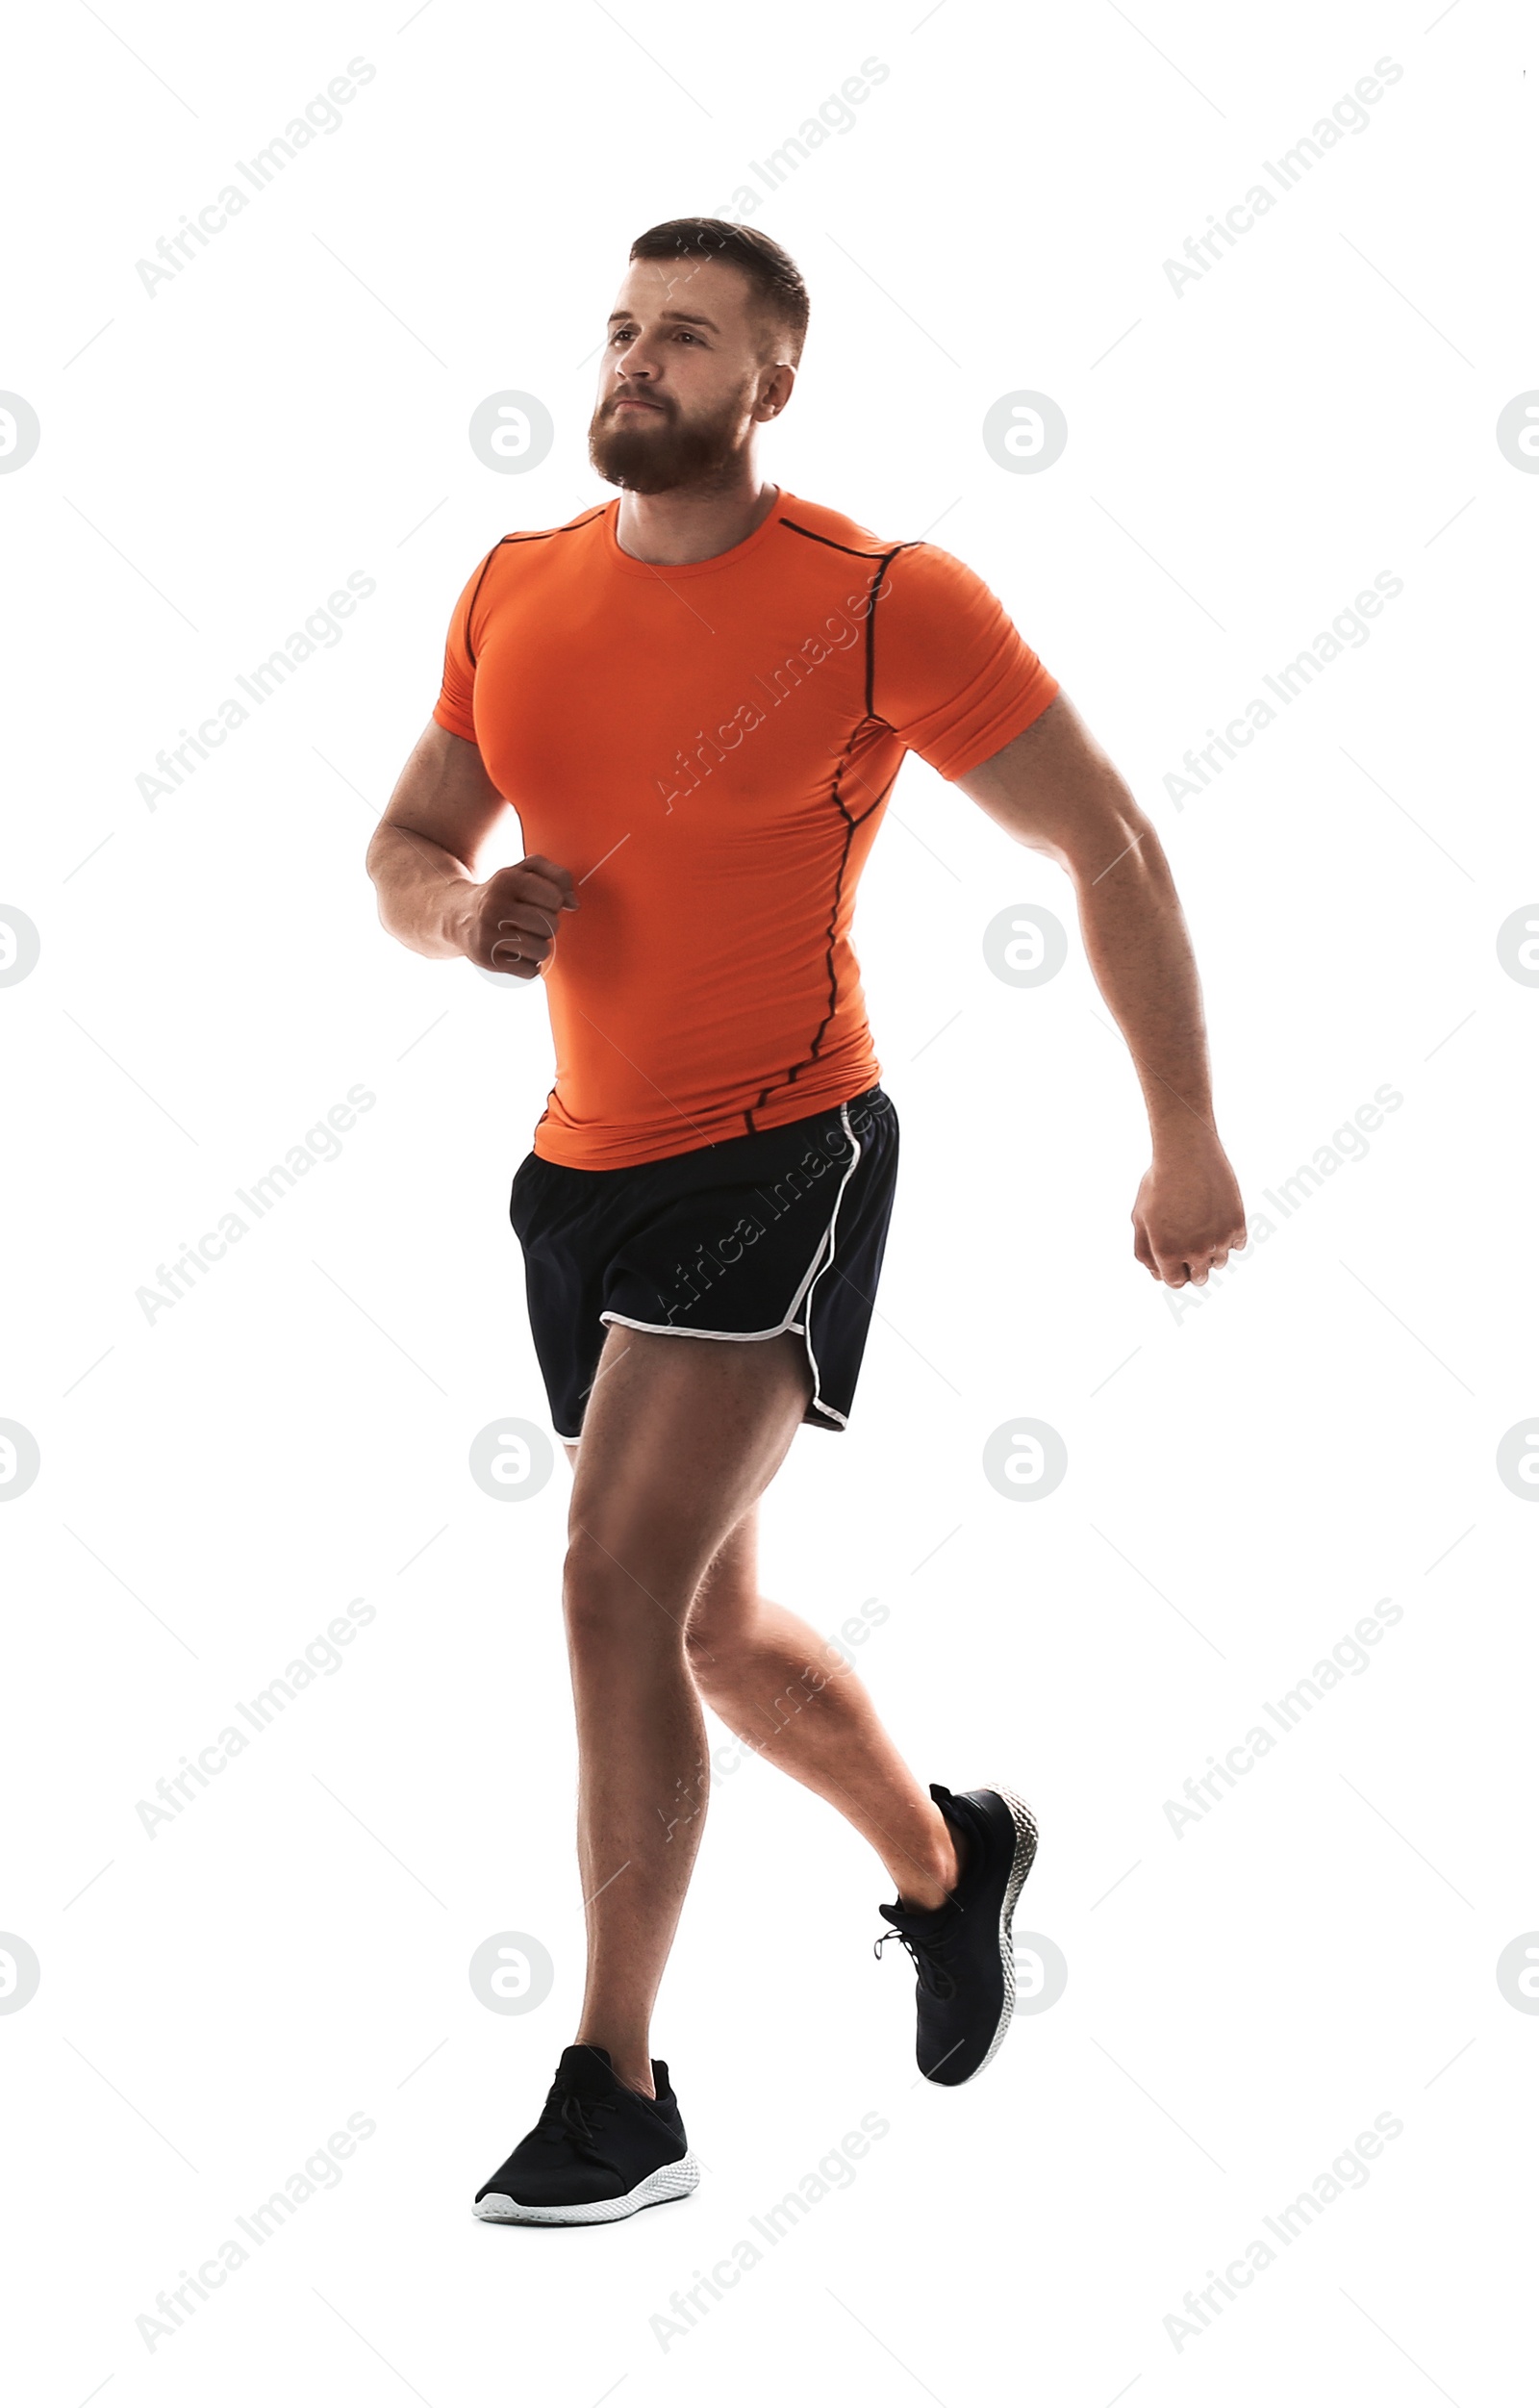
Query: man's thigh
x: 680, y: 1437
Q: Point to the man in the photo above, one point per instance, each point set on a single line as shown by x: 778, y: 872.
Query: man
x: 696, y: 698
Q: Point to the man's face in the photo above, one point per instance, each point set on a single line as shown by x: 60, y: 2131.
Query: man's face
x: 683, y: 382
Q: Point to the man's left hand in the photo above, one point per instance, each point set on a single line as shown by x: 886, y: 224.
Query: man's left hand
x: 1188, y: 1212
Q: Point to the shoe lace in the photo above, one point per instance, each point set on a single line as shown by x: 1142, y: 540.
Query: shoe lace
x: 933, y: 1972
x: 565, y: 2111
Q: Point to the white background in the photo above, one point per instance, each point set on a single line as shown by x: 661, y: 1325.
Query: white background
x: 1245, y: 1478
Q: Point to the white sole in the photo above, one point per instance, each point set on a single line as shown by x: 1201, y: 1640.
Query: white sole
x: 670, y: 2182
x: 1021, y: 1865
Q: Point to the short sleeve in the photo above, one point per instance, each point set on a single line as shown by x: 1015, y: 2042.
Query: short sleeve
x: 951, y: 676
x: 454, y: 708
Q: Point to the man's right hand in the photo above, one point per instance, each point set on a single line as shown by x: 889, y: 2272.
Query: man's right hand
x: 510, y: 923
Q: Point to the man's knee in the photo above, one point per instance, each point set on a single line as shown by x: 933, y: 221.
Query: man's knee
x: 612, y: 1587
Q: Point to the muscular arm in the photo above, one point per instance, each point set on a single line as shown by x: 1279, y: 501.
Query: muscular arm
x: 421, y: 858
x: 1054, y: 788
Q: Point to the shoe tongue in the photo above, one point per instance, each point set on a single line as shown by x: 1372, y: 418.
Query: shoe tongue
x: 586, y: 2070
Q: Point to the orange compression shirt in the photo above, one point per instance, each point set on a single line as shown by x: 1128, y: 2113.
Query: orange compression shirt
x: 709, y: 750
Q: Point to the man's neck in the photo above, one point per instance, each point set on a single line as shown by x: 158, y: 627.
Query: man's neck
x: 693, y: 523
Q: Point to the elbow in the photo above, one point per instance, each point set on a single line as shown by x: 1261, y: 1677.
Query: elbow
x: 375, y: 856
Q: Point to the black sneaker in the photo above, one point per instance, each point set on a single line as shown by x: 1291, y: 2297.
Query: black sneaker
x: 598, y: 2152
x: 963, y: 1953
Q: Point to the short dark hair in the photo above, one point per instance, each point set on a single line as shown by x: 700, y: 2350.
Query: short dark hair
x: 772, y: 274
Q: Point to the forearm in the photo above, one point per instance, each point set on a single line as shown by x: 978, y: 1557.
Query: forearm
x: 423, y: 891
x: 1140, y: 956
x: 1189, y: 1212
x: 1052, y: 787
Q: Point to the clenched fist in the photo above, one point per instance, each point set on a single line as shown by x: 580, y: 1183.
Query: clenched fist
x: 1188, y: 1213
x: 510, y: 923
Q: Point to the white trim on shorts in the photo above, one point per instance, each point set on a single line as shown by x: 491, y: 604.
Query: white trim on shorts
x: 670, y: 1330
x: 807, y: 1282
x: 817, y: 1404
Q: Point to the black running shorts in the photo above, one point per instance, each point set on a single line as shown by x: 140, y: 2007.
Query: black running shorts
x: 783, y: 1230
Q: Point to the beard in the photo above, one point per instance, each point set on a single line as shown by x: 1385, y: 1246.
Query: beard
x: 655, y: 451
